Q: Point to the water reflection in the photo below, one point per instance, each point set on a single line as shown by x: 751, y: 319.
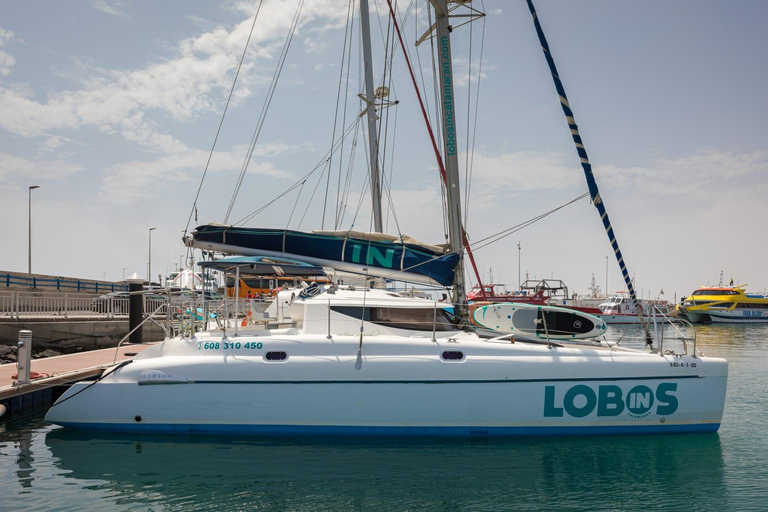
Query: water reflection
x: 331, y: 474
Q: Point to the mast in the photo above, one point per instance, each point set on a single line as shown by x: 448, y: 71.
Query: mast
x: 450, y: 153
x: 370, y: 95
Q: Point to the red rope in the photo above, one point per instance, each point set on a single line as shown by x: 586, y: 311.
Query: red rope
x: 439, y: 159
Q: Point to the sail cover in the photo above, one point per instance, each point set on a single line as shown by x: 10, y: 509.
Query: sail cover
x: 372, y: 254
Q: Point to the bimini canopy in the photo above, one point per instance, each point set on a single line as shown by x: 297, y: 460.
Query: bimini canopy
x: 263, y: 265
x: 375, y: 255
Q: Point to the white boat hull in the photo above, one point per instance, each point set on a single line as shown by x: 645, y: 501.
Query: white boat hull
x: 496, y: 389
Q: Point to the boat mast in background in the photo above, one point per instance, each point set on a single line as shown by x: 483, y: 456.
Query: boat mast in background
x: 369, y: 98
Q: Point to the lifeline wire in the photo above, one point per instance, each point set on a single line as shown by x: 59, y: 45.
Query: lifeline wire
x: 216, y: 138
x: 265, y: 107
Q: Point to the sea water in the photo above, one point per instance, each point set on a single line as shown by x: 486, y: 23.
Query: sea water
x: 47, y: 468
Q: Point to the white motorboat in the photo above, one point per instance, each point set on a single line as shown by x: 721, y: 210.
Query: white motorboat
x: 620, y: 309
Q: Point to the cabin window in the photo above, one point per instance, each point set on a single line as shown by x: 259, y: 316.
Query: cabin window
x: 715, y: 292
x: 415, y: 319
x: 453, y: 355
x: 276, y: 356
x: 744, y: 305
x: 698, y: 302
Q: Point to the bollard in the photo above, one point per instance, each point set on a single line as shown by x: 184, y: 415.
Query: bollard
x: 136, y: 308
x: 24, y: 357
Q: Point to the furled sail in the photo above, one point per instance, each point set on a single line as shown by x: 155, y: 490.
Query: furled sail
x: 371, y: 254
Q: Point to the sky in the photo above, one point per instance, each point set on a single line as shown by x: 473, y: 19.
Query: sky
x: 111, y: 107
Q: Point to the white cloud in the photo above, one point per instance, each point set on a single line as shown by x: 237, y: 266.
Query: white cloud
x: 6, y: 60
x: 113, y: 7
x: 131, y: 182
x: 13, y: 167
x: 181, y: 87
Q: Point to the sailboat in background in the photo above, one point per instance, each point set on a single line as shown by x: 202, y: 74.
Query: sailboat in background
x: 360, y: 360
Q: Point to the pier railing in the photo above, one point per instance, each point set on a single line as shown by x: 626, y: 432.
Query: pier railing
x: 66, y: 284
x: 15, y: 305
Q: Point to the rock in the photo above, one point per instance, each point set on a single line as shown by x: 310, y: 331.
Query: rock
x: 47, y: 353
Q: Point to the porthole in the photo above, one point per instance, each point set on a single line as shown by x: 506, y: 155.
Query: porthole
x: 453, y: 355
x: 276, y: 356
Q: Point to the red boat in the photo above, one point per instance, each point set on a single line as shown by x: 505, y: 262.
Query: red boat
x: 531, y: 292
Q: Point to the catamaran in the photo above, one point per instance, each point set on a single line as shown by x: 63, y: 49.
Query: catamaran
x: 362, y: 360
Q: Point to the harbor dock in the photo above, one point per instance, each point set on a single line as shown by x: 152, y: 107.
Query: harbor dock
x: 56, y: 374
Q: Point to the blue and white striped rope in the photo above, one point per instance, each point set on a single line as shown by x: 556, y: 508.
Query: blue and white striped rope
x: 591, y: 183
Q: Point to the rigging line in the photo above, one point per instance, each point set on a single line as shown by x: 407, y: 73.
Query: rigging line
x: 387, y: 79
x: 418, y: 59
x: 469, y: 117
x: 365, y: 186
x: 348, y: 176
x: 443, y: 174
x: 344, y: 123
x: 477, y: 106
x: 265, y: 106
x: 438, y: 120
x: 221, y: 123
x: 587, y: 167
x: 309, y: 203
x: 391, y: 173
x: 296, y: 183
x: 294, y: 204
x: 336, y: 109
x: 505, y: 232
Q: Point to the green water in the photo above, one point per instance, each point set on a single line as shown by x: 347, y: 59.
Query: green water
x: 47, y: 468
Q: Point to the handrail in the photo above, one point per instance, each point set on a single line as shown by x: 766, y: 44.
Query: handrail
x: 147, y: 317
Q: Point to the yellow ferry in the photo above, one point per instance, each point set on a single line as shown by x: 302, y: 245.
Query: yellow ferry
x: 730, y: 304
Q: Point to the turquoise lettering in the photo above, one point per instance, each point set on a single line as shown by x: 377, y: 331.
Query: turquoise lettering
x: 570, y: 397
x: 384, y: 260
x: 550, y: 411
x: 609, y: 401
x: 667, y: 402
x: 355, y: 253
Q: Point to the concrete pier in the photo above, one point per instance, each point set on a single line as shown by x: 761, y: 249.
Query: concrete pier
x: 73, y: 334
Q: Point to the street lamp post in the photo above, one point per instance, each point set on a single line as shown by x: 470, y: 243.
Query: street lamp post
x: 31, y: 188
x: 518, y: 267
x: 149, y: 261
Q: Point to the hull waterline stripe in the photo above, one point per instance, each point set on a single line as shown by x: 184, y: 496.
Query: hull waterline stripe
x: 342, y: 430
x: 489, y: 381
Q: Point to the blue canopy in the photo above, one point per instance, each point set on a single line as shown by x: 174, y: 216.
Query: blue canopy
x: 263, y: 265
